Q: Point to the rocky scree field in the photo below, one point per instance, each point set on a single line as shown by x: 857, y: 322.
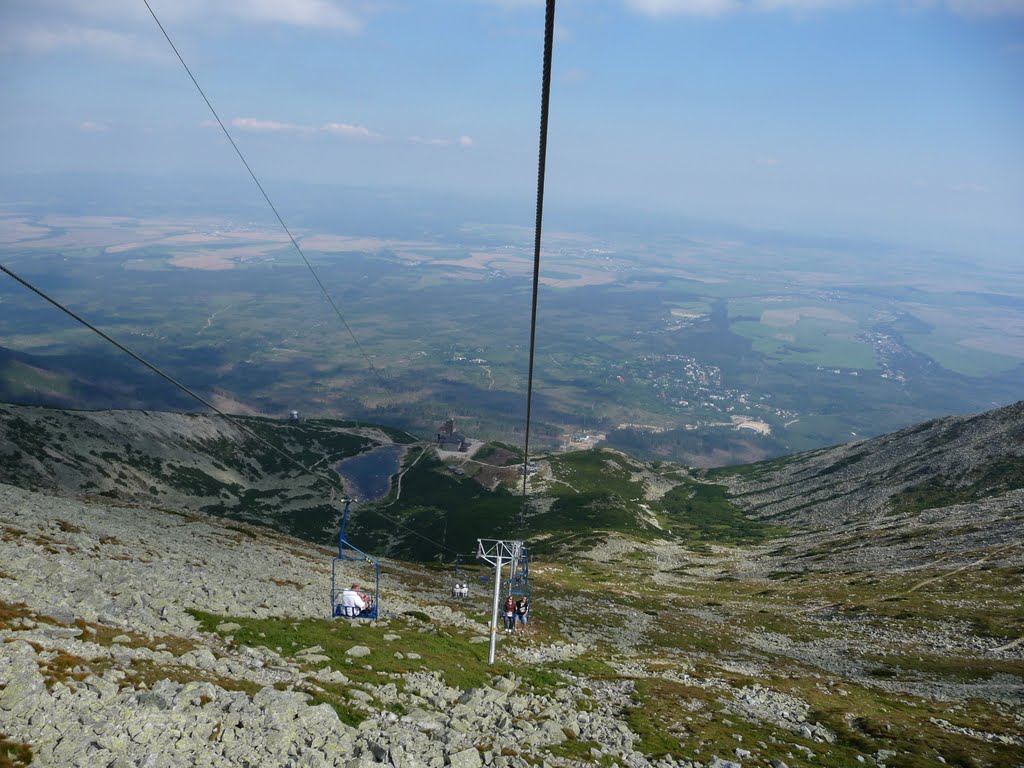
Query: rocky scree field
x: 142, y: 637
x: 136, y: 635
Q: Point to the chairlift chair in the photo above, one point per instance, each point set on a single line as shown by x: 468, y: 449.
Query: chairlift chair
x: 519, y: 580
x: 340, y: 583
x: 459, y: 583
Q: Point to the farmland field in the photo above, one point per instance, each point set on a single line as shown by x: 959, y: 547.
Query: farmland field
x: 664, y: 342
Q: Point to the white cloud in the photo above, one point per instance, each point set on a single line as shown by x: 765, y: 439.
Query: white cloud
x: 986, y: 7
x: 124, y: 28
x: 970, y: 187
x: 302, y: 13
x: 256, y: 125
x: 802, y: 5
x: 682, y: 7
x: 37, y: 38
x: 259, y: 125
x: 93, y: 126
x: 347, y: 129
x: 324, y: 14
x: 462, y: 141
x: 664, y: 8
x: 430, y: 142
x: 766, y: 161
x: 514, y: 4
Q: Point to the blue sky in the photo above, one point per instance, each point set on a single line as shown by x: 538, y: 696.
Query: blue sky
x: 883, y: 119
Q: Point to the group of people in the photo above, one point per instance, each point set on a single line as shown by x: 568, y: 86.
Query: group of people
x: 516, y: 614
x: 460, y: 589
x: 354, y: 602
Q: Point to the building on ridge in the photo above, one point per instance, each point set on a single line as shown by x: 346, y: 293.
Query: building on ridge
x: 450, y: 440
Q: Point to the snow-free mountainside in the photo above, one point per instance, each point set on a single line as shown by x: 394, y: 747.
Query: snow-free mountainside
x: 164, y: 592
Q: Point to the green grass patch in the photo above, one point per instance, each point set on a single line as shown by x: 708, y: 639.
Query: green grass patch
x: 869, y: 719
x: 703, y: 511
x: 809, y: 341
x: 950, y: 354
x: 454, y: 511
x: 502, y: 454
x: 991, y: 479
x: 441, y: 649
x: 14, y: 754
x: 574, y: 749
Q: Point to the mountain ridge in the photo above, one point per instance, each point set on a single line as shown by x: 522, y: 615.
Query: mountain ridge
x: 956, y: 459
x: 205, y: 463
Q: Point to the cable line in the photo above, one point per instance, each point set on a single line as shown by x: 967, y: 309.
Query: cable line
x: 545, y: 98
x: 333, y: 481
x: 266, y: 197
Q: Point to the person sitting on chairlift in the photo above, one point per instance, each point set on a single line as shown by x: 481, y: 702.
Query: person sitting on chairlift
x: 522, y: 611
x: 353, y: 602
x: 508, y: 613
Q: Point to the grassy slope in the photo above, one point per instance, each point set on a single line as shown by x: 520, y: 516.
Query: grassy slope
x: 590, y: 491
x: 694, y: 640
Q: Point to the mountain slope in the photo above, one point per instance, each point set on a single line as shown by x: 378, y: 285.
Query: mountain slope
x: 184, y: 461
x: 93, y: 379
x: 199, y: 462
x: 674, y: 632
x: 127, y: 633
x: 933, y: 465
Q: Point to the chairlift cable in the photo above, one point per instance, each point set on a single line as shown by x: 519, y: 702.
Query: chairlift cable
x: 266, y: 197
x: 545, y: 98
x: 333, y: 481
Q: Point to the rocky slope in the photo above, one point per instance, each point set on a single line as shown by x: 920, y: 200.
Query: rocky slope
x: 890, y: 634
x: 146, y: 637
x: 933, y: 465
x: 184, y: 461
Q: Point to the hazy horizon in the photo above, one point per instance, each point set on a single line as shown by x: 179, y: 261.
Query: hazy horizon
x: 899, y: 122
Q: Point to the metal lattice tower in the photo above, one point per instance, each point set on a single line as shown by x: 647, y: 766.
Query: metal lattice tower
x: 497, y: 552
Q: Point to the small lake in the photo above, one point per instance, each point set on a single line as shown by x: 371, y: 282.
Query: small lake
x: 368, y: 475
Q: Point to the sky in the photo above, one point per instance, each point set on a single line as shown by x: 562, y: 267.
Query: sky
x: 894, y: 120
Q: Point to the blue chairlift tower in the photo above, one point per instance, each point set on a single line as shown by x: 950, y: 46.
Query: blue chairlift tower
x: 347, y: 552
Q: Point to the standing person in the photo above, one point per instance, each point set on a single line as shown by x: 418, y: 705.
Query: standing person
x: 522, y: 614
x: 508, y: 613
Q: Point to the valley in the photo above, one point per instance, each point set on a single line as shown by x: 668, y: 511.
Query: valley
x: 631, y: 332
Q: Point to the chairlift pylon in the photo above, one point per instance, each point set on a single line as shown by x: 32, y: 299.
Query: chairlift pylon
x: 345, y: 605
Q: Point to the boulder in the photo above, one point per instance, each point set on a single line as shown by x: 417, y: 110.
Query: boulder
x: 467, y: 758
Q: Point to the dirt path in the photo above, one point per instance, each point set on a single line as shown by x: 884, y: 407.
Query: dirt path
x: 211, y: 318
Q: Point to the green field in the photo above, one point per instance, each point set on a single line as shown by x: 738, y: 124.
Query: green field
x: 809, y: 342
x: 950, y: 354
x: 257, y: 334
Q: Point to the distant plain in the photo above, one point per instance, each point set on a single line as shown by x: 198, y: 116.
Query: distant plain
x: 665, y: 341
